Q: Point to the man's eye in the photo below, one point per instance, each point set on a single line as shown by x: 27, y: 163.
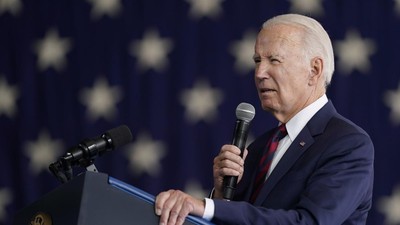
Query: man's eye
x: 256, y: 60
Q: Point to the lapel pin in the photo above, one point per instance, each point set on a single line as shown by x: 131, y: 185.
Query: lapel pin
x: 302, y: 143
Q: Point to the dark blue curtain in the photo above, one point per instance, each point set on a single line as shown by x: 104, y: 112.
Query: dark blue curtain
x: 174, y: 72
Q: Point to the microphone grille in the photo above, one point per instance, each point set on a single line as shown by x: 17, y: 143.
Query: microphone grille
x: 120, y: 135
x: 245, y: 111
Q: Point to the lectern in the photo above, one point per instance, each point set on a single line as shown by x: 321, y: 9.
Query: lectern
x: 94, y: 199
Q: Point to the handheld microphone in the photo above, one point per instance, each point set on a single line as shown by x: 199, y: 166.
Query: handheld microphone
x: 245, y: 112
x: 87, y: 150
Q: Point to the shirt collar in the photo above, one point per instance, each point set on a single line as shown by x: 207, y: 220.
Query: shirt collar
x: 299, y: 121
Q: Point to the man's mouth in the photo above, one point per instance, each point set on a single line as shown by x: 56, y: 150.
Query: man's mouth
x: 266, y: 90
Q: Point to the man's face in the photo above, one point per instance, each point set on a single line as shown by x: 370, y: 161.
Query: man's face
x: 282, y: 73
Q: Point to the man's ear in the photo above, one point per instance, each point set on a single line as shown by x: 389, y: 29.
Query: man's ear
x: 317, y: 66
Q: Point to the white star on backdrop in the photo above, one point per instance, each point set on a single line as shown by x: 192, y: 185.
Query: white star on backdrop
x: 194, y: 188
x: 397, y: 6
x: 390, y: 207
x: 151, y: 51
x: 205, y: 8
x: 243, y: 51
x: 100, y: 8
x: 392, y: 100
x: 201, y: 102
x: 101, y: 100
x: 354, y: 52
x: 12, y: 6
x: 8, y: 98
x: 52, y: 50
x: 313, y: 7
x: 5, y: 199
x: 145, y: 155
x: 43, y: 152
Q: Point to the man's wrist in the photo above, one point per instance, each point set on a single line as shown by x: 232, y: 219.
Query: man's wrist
x: 214, y: 194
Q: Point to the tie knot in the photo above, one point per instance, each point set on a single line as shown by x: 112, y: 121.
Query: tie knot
x: 280, y: 132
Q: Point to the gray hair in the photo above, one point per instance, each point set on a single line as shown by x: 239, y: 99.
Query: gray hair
x: 316, y: 40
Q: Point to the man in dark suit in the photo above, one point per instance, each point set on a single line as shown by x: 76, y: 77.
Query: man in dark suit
x: 322, y: 169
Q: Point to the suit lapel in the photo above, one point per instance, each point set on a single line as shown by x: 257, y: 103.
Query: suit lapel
x: 302, y: 142
x: 298, y: 147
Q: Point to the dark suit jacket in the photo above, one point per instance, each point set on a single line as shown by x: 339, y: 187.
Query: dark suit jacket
x: 325, y: 177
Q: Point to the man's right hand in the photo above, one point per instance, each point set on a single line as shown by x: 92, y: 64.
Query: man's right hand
x: 227, y: 163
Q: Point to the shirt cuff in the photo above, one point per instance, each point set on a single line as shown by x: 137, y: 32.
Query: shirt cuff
x: 209, y: 209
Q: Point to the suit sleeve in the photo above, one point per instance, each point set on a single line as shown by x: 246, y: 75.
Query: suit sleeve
x: 338, y: 188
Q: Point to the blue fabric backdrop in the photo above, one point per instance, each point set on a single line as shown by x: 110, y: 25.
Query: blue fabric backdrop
x: 174, y: 72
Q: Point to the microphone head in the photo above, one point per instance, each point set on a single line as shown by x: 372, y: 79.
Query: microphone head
x: 245, y: 111
x: 119, y: 135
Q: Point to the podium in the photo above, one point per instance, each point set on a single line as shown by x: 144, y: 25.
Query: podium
x: 94, y: 199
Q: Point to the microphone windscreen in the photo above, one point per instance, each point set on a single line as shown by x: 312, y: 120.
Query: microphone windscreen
x: 120, y: 135
x: 245, y: 111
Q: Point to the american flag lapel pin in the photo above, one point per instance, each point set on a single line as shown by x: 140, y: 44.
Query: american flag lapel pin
x: 302, y: 143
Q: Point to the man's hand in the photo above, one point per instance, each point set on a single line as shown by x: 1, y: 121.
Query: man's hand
x: 227, y: 163
x: 173, y: 206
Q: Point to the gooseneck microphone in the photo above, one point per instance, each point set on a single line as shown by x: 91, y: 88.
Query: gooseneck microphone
x: 87, y: 150
x: 245, y: 112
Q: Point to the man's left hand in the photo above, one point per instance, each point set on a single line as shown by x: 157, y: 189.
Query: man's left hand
x: 174, y: 206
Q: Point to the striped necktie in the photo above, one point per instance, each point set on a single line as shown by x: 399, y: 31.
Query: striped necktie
x: 266, y: 160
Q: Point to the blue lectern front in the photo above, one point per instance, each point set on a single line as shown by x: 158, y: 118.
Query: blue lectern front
x: 94, y: 199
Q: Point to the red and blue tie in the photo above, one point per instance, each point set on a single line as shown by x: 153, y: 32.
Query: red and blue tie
x: 265, y: 162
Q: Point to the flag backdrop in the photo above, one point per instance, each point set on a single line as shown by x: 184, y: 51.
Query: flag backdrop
x: 174, y: 71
